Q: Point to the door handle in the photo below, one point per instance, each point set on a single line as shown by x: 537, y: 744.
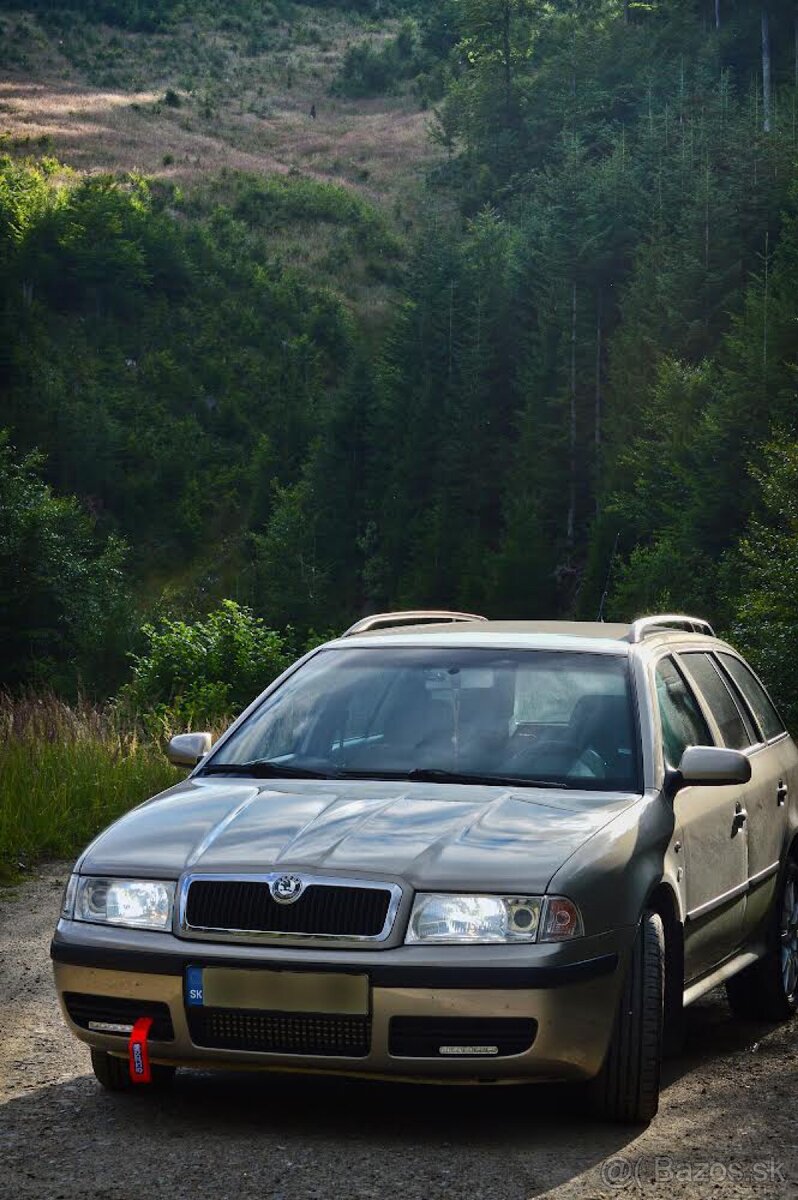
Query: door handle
x: 782, y: 794
x: 740, y: 818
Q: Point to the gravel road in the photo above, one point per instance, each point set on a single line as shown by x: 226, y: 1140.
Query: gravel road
x: 727, y: 1122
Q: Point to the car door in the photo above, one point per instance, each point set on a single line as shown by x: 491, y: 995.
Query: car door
x: 774, y: 765
x: 734, y: 729
x: 715, y: 852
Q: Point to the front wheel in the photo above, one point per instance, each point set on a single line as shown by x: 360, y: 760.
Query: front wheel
x: 627, y: 1089
x: 768, y: 989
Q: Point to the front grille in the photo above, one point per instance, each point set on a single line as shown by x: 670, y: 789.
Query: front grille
x: 424, y: 1037
x: 115, y: 1010
x: 280, y: 1033
x: 323, y: 910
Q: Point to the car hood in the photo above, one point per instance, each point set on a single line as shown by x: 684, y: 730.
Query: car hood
x: 433, y: 836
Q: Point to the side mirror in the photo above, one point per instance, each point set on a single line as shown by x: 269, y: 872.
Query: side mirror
x: 186, y: 749
x: 709, y: 766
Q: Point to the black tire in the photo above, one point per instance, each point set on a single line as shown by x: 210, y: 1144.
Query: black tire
x: 768, y: 989
x: 114, y: 1074
x: 627, y: 1089
x: 674, y: 1024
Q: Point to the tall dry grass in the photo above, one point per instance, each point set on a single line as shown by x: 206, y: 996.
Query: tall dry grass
x: 66, y: 771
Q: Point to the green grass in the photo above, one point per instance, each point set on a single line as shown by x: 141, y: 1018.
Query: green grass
x: 66, y: 773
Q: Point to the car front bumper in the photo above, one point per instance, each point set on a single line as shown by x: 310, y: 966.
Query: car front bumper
x: 570, y: 992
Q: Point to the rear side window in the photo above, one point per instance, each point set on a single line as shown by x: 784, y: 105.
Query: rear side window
x: 681, y: 719
x: 735, y: 729
x: 759, y: 702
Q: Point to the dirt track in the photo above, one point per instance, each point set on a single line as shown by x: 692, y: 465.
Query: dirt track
x: 727, y: 1123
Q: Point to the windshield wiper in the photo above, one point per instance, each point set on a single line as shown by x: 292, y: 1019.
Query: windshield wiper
x: 437, y: 775
x: 434, y: 775
x: 266, y: 768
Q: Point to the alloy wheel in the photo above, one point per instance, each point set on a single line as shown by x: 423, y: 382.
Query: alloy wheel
x: 789, y: 937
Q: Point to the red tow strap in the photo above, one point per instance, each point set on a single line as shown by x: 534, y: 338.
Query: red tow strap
x: 138, y: 1051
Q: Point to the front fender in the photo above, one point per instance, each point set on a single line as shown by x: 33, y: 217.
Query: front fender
x: 611, y: 876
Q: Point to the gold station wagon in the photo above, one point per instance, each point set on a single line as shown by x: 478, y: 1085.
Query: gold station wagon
x: 444, y: 848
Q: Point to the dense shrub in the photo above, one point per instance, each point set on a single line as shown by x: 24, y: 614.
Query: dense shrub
x: 64, y: 609
x: 765, y: 569
x: 369, y: 70
x: 280, y: 201
x: 198, y: 675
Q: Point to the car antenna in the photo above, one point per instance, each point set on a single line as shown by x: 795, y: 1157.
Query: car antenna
x: 606, y: 592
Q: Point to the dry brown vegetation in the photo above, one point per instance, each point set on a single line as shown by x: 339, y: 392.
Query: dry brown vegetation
x: 66, y: 772
x: 95, y: 99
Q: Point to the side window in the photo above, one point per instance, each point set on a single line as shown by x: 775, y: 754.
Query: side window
x: 759, y: 702
x: 735, y: 728
x: 682, y: 722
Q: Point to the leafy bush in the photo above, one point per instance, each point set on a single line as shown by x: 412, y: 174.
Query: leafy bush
x: 64, y: 610
x: 283, y: 201
x: 198, y: 675
x: 764, y: 570
x: 370, y: 71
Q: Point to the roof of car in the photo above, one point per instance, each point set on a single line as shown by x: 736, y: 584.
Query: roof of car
x: 579, y: 629
x: 591, y: 636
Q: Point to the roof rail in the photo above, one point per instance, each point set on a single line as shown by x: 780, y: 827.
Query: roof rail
x: 396, y: 619
x: 649, y: 625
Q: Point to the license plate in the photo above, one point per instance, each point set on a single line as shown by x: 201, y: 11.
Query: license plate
x: 277, y: 991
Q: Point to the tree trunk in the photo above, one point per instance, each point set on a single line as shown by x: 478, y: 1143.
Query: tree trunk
x: 706, y: 218
x: 508, y: 66
x: 571, y: 533
x: 597, y: 414
x: 795, y: 88
x: 765, y: 305
x: 717, y: 14
x: 766, y: 84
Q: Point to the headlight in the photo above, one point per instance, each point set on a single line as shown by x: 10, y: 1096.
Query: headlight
x: 138, y: 903
x: 440, y: 917
x: 445, y: 918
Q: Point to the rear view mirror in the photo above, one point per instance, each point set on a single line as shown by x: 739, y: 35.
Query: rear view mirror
x: 186, y: 749
x: 712, y: 765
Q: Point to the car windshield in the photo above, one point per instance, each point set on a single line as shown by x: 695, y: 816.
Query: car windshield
x: 535, y: 717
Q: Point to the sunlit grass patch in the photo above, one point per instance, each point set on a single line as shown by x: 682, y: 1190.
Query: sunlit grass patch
x: 65, y: 773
